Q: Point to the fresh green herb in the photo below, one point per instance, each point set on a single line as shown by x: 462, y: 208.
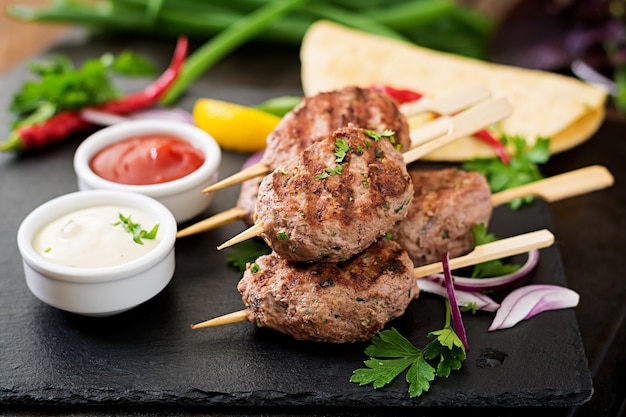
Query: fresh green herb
x: 246, y: 252
x: 136, y: 230
x: 391, y: 354
x: 521, y: 169
x: 254, y: 268
x: 493, y: 268
x: 341, y: 150
x: 388, y: 236
x: 387, y: 133
x: 282, y: 236
x: 61, y: 86
x: 620, y: 85
x: 47, y: 250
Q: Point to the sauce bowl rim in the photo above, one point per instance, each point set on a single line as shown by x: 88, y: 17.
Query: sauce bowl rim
x: 67, y: 203
x: 124, y: 130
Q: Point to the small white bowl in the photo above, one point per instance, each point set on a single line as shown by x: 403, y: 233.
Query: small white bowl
x: 183, y: 196
x: 101, y: 291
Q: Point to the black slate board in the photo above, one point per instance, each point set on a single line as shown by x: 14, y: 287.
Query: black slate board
x: 150, y: 357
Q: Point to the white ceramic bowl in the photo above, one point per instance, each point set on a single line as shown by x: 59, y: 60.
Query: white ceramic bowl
x: 183, y: 196
x: 105, y: 290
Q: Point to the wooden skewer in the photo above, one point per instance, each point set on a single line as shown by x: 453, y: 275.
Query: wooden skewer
x: 253, y: 171
x: 463, y: 124
x: 220, y: 219
x: 458, y: 126
x: 449, y: 103
x: 444, y: 105
x: 495, y: 250
x: 560, y: 186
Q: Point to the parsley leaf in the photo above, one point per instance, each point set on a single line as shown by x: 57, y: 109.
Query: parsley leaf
x: 246, y: 252
x: 341, y: 149
x: 391, y: 354
x: 387, y: 133
x: 494, y: 267
x: 136, y: 230
x: 61, y: 86
x: 521, y: 169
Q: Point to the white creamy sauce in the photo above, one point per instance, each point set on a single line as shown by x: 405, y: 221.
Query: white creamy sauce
x: 89, y: 238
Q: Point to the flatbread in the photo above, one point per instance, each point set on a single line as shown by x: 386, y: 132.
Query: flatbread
x: 561, y: 108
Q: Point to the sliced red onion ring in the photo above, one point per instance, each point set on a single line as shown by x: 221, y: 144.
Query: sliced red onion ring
x: 525, y: 302
x: 463, y: 298
x: 106, y: 119
x: 484, y: 284
x: 457, y: 321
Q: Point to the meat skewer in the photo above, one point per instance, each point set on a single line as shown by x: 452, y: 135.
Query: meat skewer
x: 302, y: 122
x: 458, y: 126
x: 555, y: 188
x: 350, y: 301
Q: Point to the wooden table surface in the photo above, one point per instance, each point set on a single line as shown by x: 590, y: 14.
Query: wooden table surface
x: 20, y: 40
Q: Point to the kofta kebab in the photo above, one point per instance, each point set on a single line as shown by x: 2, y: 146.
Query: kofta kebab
x: 337, y: 198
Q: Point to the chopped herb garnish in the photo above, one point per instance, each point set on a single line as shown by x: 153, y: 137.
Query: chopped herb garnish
x: 387, y: 133
x: 341, y: 149
x: 282, y: 236
x: 254, y: 268
x: 136, y: 230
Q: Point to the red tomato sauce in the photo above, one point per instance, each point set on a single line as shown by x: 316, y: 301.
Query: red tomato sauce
x: 149, y: 159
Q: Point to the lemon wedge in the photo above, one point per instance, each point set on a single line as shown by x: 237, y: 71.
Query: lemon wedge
x: 235, y: 127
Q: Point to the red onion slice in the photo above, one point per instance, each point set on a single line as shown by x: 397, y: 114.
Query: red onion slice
x: 464, y: 298
x: 101, y: 118
x: 525, y: 302
x: 457, y: 321
x: 484, y: 284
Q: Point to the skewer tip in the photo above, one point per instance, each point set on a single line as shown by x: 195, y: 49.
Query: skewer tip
x: 249, y: 233
x: 235, y: 317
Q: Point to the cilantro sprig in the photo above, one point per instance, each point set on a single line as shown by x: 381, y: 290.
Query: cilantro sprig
x: 521, y: 169
x: 135, y: 229
x: 392, y: 354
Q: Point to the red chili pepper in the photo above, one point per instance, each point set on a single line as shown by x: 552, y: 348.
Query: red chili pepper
x: 498, y: 148
x: 400, y: 96
x: 63, y: 124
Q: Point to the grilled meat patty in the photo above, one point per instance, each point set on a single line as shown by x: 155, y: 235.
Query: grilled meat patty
x: 316, y: 117
x: 336, y: 199
x: 330, y: 302
x: 446, y: 206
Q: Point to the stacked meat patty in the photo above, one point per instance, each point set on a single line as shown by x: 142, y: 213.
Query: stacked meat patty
x: 447, y: 205
x: 336, y: 199
x: 330, y: 302
x: 316, y: 118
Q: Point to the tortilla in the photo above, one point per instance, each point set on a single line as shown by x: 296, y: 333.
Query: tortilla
x: 561, y: 108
